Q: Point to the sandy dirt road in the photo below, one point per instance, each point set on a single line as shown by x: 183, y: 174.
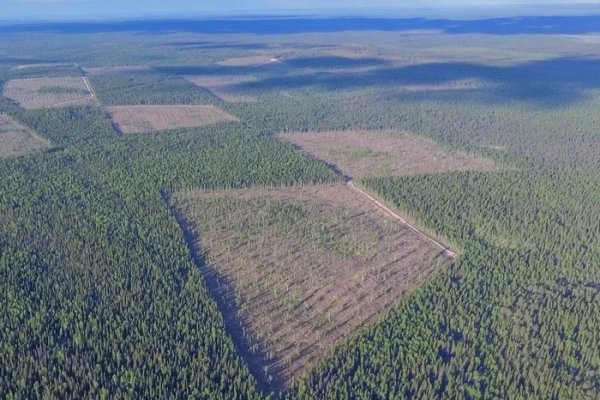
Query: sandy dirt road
x: 403, y: 221
x: 89, y: 87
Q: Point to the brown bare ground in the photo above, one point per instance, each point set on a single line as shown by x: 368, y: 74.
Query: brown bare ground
x: 42, y: 65
x: 15, y: 139
x: 247, y: 61
x: 590, y: 38
x: 36, y: 93
x: 308, y: 266
x: 118, y: 69
x: 348, y: 72
x: 356, y: 52
x: 139, y: 119
x: 370, y: 153
x: 464, y: 84
x: 223, y: 86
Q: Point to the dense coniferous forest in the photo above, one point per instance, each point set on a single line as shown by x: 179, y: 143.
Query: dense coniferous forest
x: 524, y: 292
x: 148, y: 88
x: 103, y: 298
x: 96, y: 275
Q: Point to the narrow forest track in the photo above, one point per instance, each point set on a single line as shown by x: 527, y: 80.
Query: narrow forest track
x: 269, y: 61
x: 62, y: 103
x: 446, y: 251
x: 222, y: 113
x: 89, y: 87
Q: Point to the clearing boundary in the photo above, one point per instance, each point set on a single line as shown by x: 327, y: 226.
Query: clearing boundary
x: 152, y: 118
x: 306, y: 266
x: 369, y: 153
x: 34, y: 93
x: 397, y: 216
x: 17, y: 139
x: 89, y: 87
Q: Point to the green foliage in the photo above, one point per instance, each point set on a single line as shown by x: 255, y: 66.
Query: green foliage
x: 476, y: 331
x: 148, y: 88
x: 28, y: 70
x: 103, y: 300
x: 100, y: 298
x: 316, y: 227
x: 531, y: 209
x: 69, y: 125
x: 554, y: 324
x: 507, y: 131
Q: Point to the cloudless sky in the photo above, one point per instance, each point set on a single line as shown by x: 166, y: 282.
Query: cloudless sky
x: 66, y: 9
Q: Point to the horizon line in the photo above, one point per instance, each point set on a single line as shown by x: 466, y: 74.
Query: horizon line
x: 366, y: 12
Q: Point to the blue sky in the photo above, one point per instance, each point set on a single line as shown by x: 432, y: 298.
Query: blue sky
x: 26, y: 9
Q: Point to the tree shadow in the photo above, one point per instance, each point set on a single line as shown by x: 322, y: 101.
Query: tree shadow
x: 204, y: 45
x: 334, y: 62
x: 11, y: 61
x: 264, y: 369
x: 552, y: 82
x: 283, y: 67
